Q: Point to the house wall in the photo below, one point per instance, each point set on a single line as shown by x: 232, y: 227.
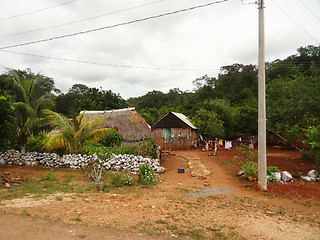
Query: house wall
x: 183, y: 138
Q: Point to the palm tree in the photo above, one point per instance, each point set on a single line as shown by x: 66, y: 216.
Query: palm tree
x: 72, y: 135
x: 28, y: 107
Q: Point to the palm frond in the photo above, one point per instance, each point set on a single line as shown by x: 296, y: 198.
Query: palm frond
x: 57, y: 140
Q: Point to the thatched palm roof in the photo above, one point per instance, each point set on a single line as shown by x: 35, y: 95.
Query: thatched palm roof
x: 131, y: 125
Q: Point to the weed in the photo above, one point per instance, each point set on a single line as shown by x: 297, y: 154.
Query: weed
x: 25, y: 212
x: 79, y: 189
x: 247, y: 184
x: 68, y: 176
x: 59, y: 198
x: 48, y: 177
x: 78, y: 219
x: 120, y: 179
x: 196, y: 233
x: 225, y: 162
x: 104, y: 187
x: 91, y: 188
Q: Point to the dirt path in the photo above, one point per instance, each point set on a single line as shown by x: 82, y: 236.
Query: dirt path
x: 167, y: 209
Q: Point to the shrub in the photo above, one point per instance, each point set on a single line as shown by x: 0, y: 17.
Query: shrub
x: 112, y: 138
x: 313, y: 139
x: 250, y: 169
x: 147, y: 148
x: 35, y: 144
x: 120, y: 179
x: 146, y: 175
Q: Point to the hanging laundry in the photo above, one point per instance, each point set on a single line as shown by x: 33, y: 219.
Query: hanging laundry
x: 228, y: 145
x: 220, y: 142
x: 201, y: 138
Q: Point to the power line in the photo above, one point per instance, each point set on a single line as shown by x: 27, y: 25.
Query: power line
x: 39, y: 10
x: 82, y: 20
x: 113, y: 26
x: 310, y: 10
x: 296, y: 22
x: 109, y: 64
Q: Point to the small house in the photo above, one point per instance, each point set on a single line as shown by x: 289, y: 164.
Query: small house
x: 130, y: 124
x: 174, y: 131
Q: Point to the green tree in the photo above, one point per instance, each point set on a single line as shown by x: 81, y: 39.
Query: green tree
x: 28, y: 105
x: 7, y: 121
x: 208, y: 123
x: 72, y: 135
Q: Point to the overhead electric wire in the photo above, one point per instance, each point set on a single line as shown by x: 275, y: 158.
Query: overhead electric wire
x: 113, y: 26
x: 310, y: 10
x: 109, y: 64
x: 39, y: 10
x: 78, y: 21
x: 296, y: 22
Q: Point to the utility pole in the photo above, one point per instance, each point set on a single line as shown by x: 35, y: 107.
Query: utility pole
x: 262, y: 147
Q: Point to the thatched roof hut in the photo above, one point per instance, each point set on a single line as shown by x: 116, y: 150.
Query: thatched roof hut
x: 130, y: 123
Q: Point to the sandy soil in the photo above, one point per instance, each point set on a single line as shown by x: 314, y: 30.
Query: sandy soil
x: 286, y: 211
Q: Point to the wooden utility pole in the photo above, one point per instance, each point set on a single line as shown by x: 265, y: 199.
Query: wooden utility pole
x: 262, y: 148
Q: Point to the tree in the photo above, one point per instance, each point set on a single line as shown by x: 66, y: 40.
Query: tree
x: 208, y: 123
x: 72, y: 135
x: 7, y: 121
x: 28, y: 105
x: 80, y: 97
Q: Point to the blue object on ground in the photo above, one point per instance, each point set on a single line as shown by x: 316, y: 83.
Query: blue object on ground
x: 180, y: 170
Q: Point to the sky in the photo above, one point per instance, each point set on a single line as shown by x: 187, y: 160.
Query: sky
x: 156, y: 54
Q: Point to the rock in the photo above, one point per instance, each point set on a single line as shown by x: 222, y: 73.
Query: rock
x: 313, y: 174
x: 2, y: 162
x: 309, y: 179
x: 277, y: 176
x: 8, y: 185
x: 286, y: 176
x: 240, y: 173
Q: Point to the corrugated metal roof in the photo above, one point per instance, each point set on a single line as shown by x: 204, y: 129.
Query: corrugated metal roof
x: 109, y: 111
x: 184, y: 119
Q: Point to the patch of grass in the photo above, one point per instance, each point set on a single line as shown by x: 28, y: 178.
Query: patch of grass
x: 196, y: 233
x: 68, y: 177
x: 161, y: 221
x: 226, y: 162
x: 142, y: 227
x: 79, y: 189
x: 307, y: 203
x: 48, y: 177
x: 247, y: 184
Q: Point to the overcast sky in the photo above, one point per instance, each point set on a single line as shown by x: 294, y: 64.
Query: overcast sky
x: 157, y: 54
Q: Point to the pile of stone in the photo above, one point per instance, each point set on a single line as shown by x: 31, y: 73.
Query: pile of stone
x: 313, y: 176
x: 281, y: 177
x: 77, y: 161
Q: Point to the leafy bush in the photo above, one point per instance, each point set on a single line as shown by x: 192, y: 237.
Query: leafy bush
x: 272, y: 169
x: 250, y: 169
x: 112, y: 138
x: 313, y: 139
x: 146, y: 175
x: 99, y: 149
x: 35, y: 144
x: 120, y: 179
x: 147, y: 148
